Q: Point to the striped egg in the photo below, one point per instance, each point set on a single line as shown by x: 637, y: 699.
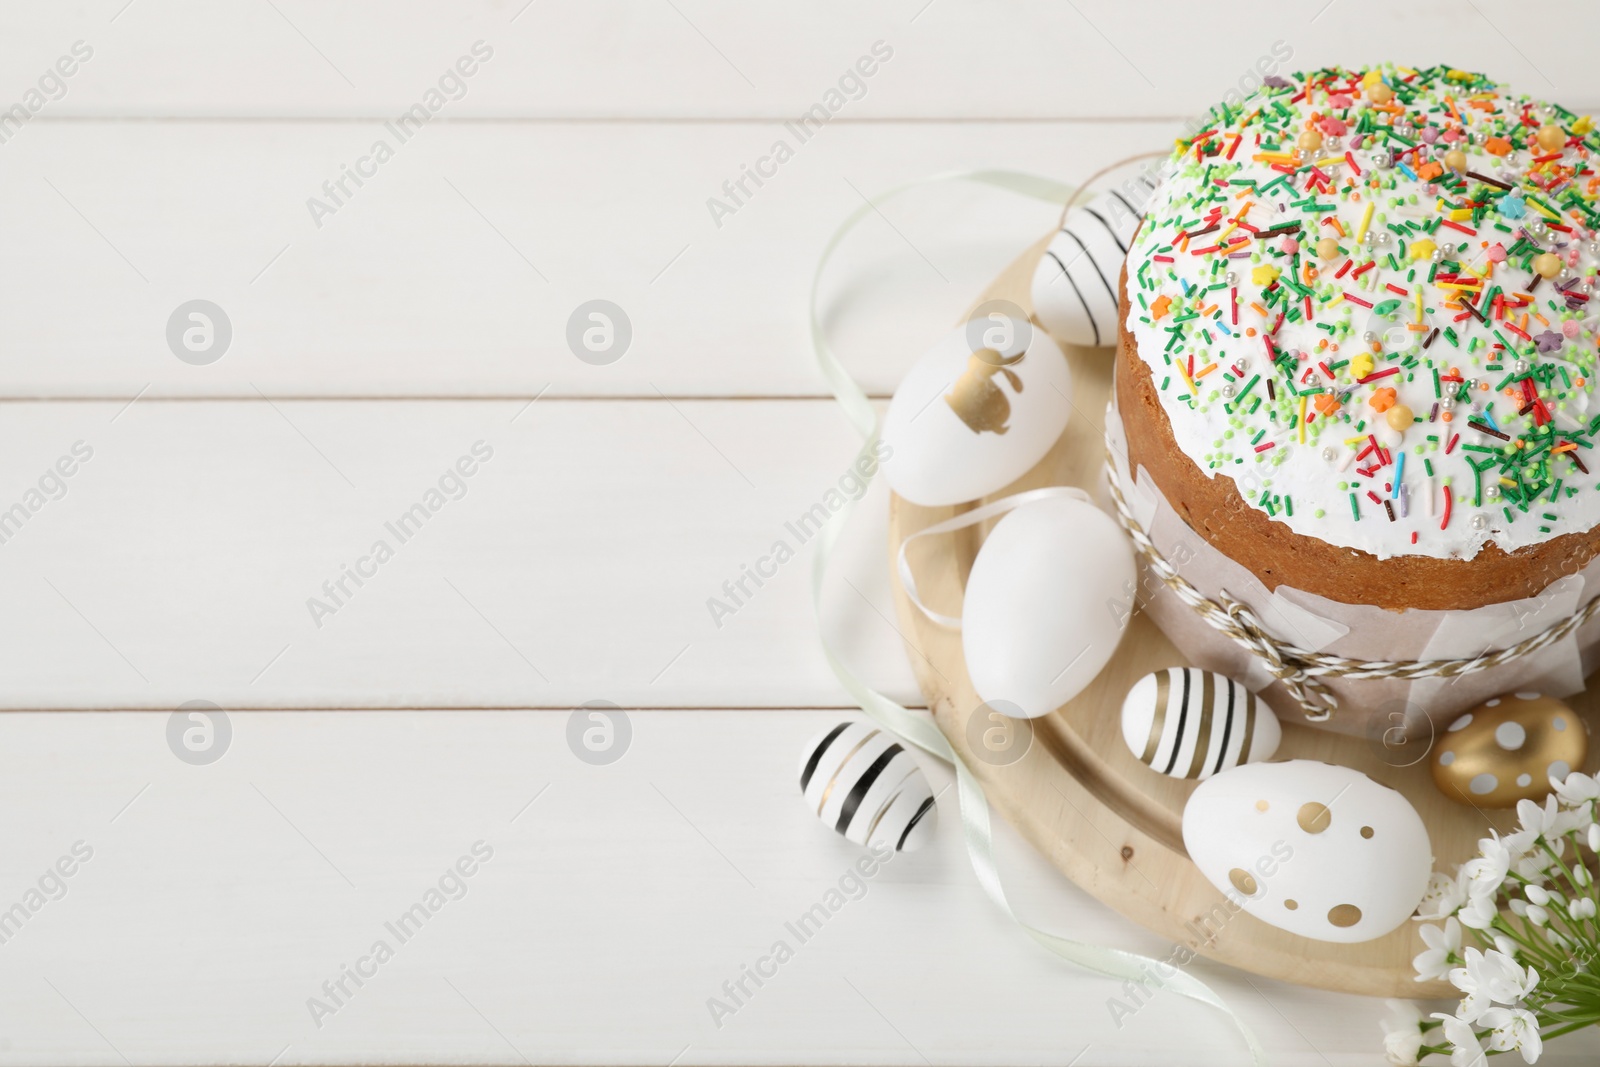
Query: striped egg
x: 1189, y: 723
x: 1075, y: 283
x: 863, y: 783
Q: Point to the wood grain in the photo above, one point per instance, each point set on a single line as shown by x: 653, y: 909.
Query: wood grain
x: 697, y: 58
x: 575, y: 564
x: 614, y: 906
x: 455, y: 271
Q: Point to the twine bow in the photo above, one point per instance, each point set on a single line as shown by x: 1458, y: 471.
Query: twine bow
x: 1301, y: 670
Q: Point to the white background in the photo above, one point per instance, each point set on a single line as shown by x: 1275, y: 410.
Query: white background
x: 429, y: 312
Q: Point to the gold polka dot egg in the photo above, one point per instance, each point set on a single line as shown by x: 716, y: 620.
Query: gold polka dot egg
x: 1507, y: 749
x: 1315, y: 849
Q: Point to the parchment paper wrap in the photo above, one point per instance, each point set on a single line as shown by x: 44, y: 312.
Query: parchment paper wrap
x: 1369, y: 707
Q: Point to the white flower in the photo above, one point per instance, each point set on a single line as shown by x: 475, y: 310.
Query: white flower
x: 1538, y: 916
x: 1402, y: 1032
x: 1514, y: 1028
x: 1506, y: 945
x: 1536, y: 894
x: 1444, y: 947
x: 1445, y: 895
x: 1507, y: 982
x: 1578, y: 790
x: 1478, y: 913
x: 1534, y: 865
x: 1594, y: 837
x: 1583, y: 907
x: 1489, y: 978
x: 1467, y: 1052
x: 1537, y: 824
x: 1485, y: 871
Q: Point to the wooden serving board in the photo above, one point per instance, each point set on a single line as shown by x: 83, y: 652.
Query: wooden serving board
x: 1110, y: 823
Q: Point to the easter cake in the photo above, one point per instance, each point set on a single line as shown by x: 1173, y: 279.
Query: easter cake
x: 1357, y: 338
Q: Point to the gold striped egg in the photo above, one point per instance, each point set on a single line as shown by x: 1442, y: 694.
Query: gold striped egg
x: 861, y: 781
x: 1507, y: 749
x: 1190, y: 723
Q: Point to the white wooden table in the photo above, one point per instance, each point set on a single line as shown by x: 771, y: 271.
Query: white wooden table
x: 372, y: 346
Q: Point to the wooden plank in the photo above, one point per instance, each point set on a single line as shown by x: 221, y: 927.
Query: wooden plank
x: 700, y: 58
x: 189, y: 555
x: 456, y: 270
x: 612, y: 908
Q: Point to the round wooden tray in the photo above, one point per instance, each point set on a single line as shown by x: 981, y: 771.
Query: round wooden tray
x: 1108, y: 822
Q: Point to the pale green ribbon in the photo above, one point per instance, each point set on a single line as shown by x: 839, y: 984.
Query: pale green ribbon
x: 921, y: 730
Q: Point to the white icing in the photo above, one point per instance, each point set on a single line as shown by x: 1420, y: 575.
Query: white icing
x: 1295, y: 472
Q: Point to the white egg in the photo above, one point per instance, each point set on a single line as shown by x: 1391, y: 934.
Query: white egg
x: 969, y: 420
x: 1075, y: 283
x: 1317, y: 850
x: 863, y: 783
x: 1046, y: 603
x: 1190, y: 723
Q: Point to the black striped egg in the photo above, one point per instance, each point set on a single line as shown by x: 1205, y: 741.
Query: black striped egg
x: 1190, y: 723
x: 861, y: 781
x: 1075, y: 283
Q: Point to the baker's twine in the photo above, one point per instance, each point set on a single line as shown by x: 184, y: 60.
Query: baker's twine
x: 1301, y: 670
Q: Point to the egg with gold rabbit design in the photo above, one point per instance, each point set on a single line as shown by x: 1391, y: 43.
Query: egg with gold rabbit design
x: 976, y: 411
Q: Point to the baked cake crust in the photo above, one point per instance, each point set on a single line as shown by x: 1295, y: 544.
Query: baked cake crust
x: 1276, y: 555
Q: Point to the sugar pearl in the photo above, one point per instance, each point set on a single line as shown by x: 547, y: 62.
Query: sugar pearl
x: 1327, y: 248
x: 1456, y: 160
x: 1310, y: 140
x: 1547, y: 264
x: 1551, y: 137
x: 1399, y: 418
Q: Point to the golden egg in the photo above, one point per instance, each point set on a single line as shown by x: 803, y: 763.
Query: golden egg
x: 1456, y: 160
x: 1507, y: 749
x: 1399, y: 417
x: 1310, y: 140
x: 1547, y: 264
x: 1327, y: 248
x: 1380, y: 93
x: 1551, y: 138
